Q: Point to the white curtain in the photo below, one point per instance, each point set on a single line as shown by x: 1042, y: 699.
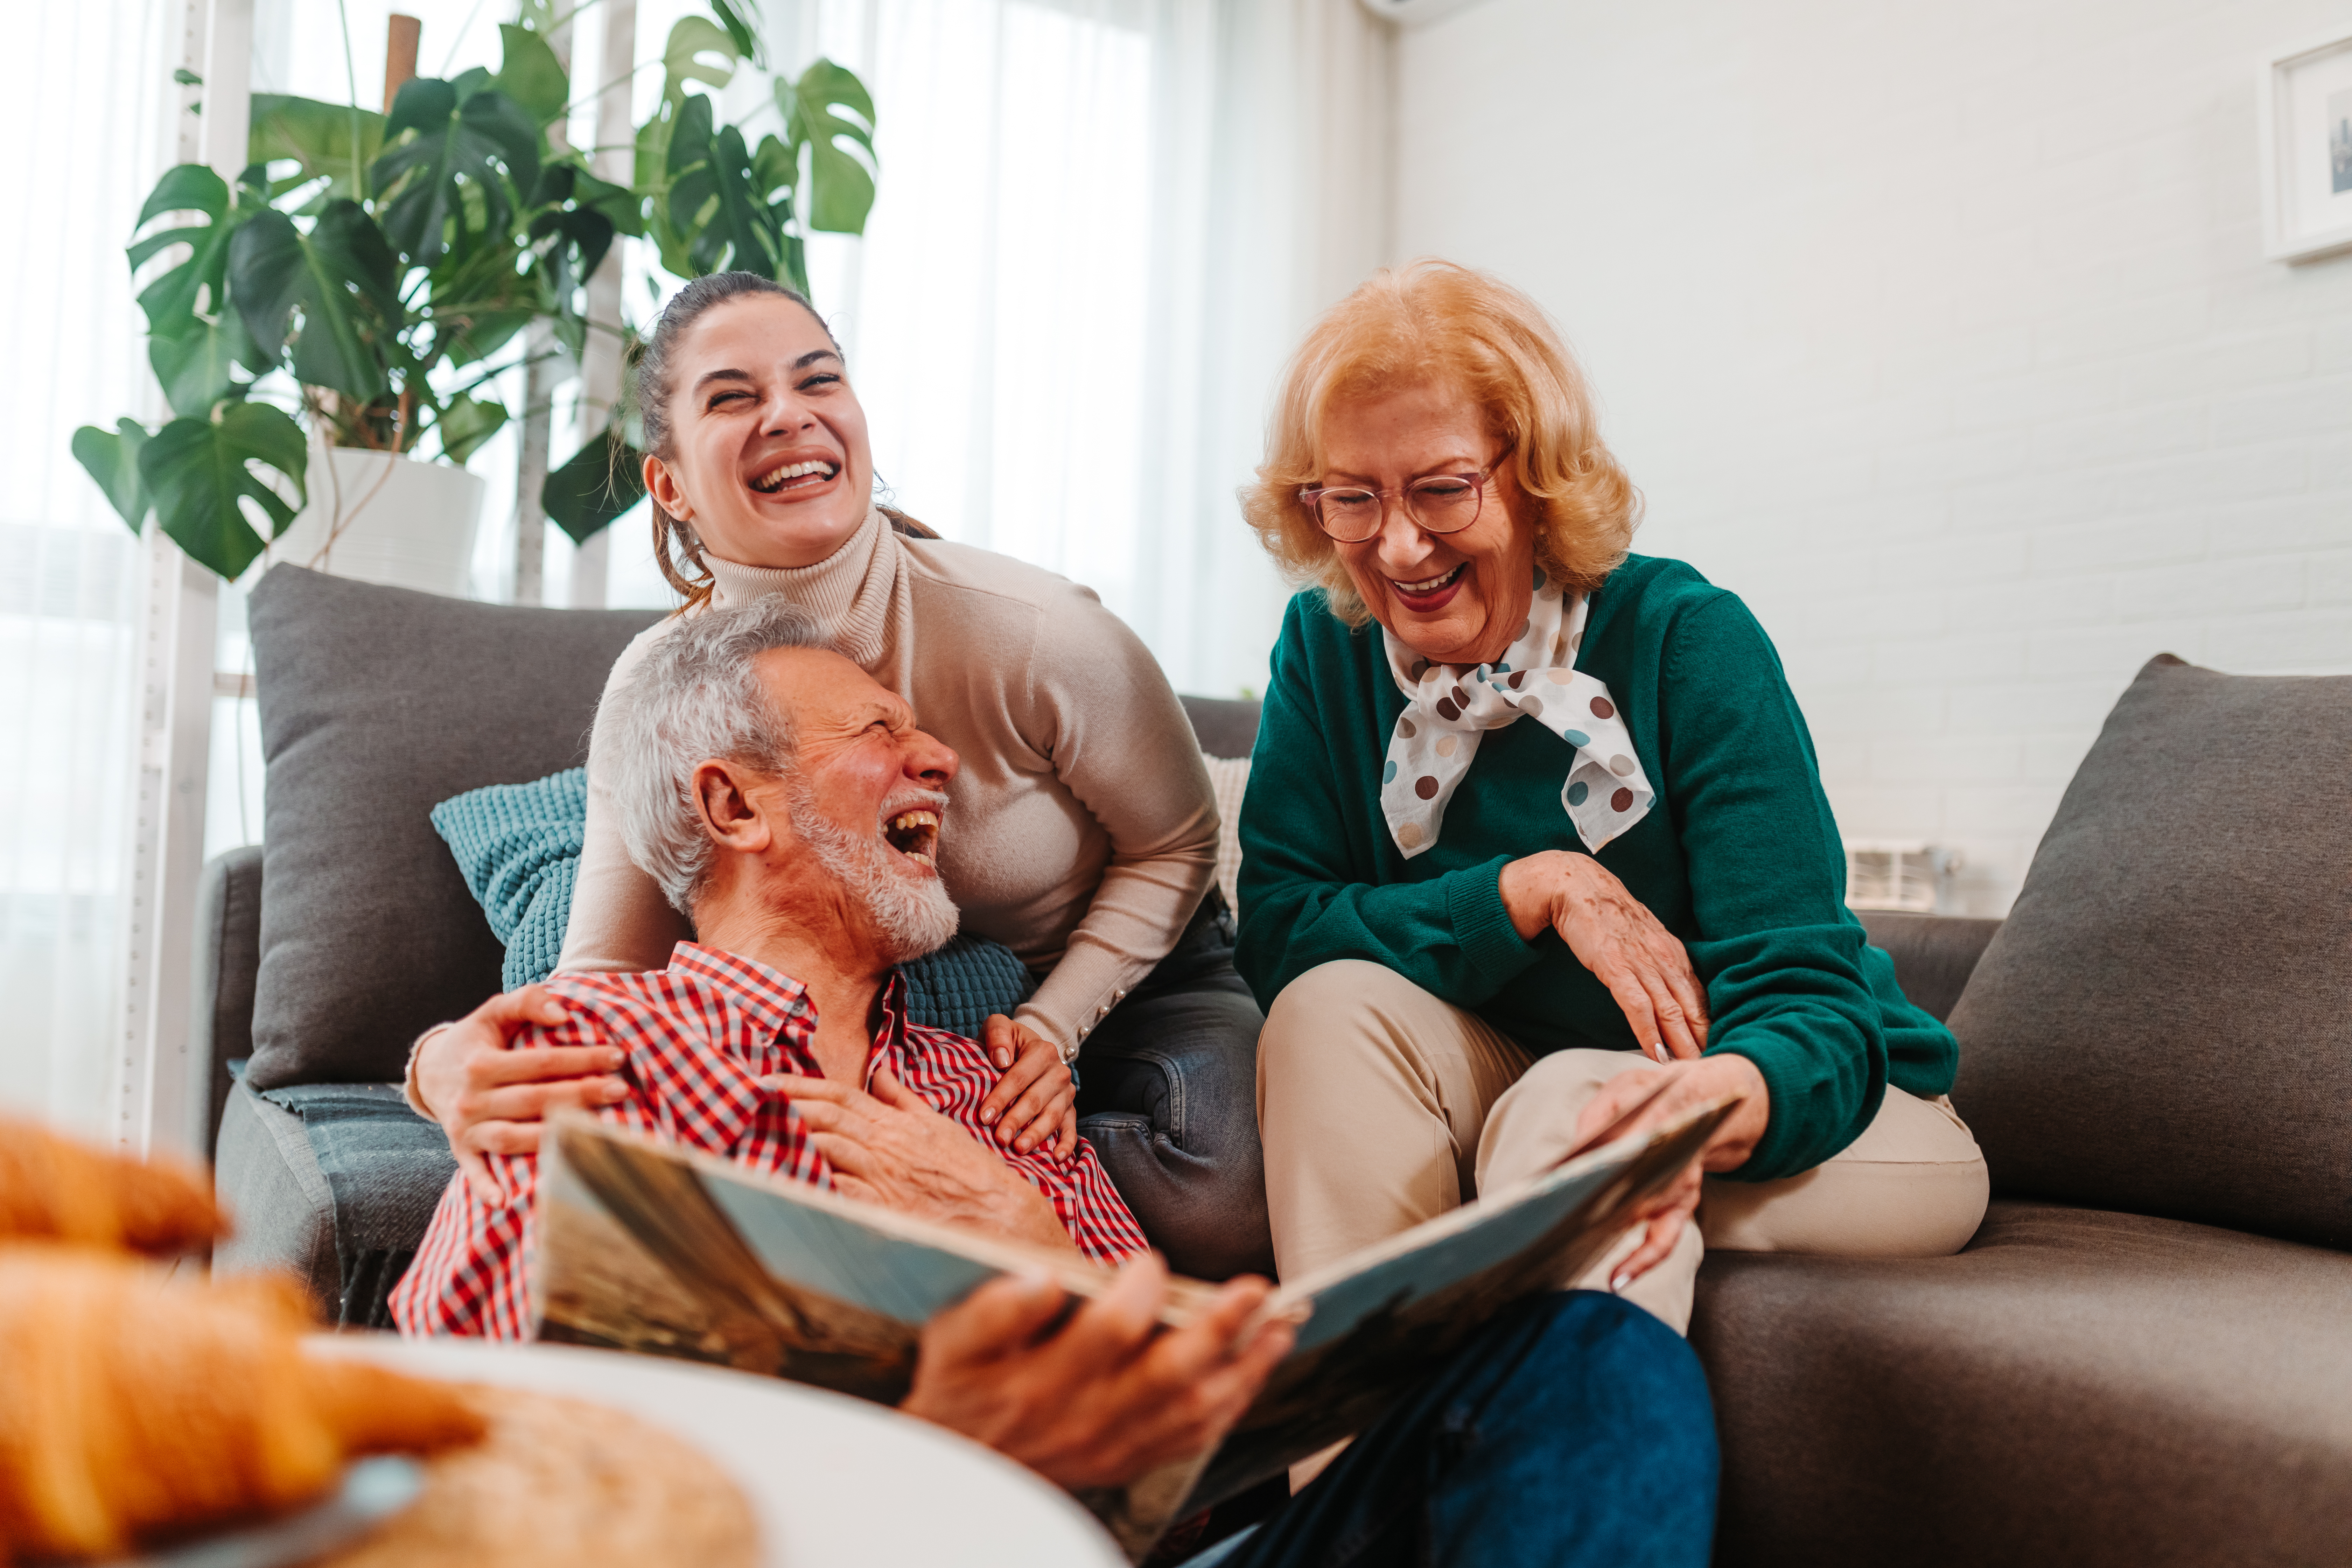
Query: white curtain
x: 87, y: 106
x: 1102, y: 225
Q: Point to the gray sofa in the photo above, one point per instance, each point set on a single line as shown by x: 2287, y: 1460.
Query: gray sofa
x: 2144, y: 1357
x: 376, y: 704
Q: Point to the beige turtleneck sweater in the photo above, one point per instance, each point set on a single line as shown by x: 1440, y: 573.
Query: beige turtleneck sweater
x: 1080, y: 832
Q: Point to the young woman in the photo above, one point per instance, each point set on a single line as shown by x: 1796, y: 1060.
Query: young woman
x: 1082, y: 831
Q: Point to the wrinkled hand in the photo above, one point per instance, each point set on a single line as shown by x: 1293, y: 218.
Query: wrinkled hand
x: 891, y: 1147
x: 1036, y: 1085
x: 1614, y: 934
x: 1692, y: 1083
x: 491, y: 1098
x: 1110, y: 1395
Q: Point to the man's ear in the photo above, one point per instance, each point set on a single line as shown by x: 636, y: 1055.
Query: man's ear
x: 663, y: 486
x: 722, y: 798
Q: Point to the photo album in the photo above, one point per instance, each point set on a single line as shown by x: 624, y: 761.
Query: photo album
x: 649, y: 1248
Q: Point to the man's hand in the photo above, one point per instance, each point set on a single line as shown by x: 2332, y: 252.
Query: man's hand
x: 1110, y: 1397
x: 1689, y: 1084
x: 1614, y: 934
x: 491, y: 1098
x: 891, y: 1147
x: 1036, y: 1085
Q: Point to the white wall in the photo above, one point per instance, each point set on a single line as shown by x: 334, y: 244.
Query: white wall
x: 1940, y: 332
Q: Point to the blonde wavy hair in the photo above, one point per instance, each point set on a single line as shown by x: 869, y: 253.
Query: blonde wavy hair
x: 1436, y: 321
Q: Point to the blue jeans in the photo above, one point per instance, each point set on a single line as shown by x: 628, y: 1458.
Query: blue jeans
x: 1575, y: 1430
x: 1167, y: 1095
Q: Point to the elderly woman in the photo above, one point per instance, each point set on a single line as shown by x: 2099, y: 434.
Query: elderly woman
x: 1084, y: 827
x: 1534, y: 829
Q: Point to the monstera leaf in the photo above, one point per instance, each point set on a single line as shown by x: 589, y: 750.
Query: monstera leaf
x: 739, y: 18
x: 698, y: 49
x: 193, y: 287
x: 827, y: 107
x: 598, y: 483
x: 111, y: 457
x: 203, y: 472
x: 530, y: 73
x: 343, y: 279
x: 197, y: 365
x: 331, y: 141
x: 715, y: 203
x: 469, y: 138
x: 466, y: 424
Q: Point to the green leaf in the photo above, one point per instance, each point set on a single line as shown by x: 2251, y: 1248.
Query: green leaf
x: 829, y: 106
x: 112, y: 457
x: 596, y: 485
x: 205, y: 473
x: 717, y: 208
x: 187, y: 78
x: 479, y: 143
x: 197, y: 365
x: 341, y: 275
x: 585, y: 236
x: 691, y: 39
x: 175, y: 297
x: 466, y: 424
x: 530, y: 73
x: 740, y: 17
x: 682, y: 61
x: 318, y: 136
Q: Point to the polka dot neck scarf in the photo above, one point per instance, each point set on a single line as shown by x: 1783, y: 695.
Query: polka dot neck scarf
x: 1449, y: 709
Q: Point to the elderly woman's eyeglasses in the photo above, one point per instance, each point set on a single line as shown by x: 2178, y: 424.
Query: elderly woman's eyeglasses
x: 1437, y: 503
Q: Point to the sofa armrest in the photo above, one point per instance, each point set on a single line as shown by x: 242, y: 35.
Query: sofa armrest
x: 1934, y: 955
x: 227, y: 960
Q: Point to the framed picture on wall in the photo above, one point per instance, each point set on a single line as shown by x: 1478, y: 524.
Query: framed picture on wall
x: 2306, y: 146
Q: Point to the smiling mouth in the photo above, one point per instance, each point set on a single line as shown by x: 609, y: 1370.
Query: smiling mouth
x: 1433, y: 584
x: 795, y: 476
x: 916, y: 836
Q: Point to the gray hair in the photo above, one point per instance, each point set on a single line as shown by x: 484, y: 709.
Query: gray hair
x: 694, y: 696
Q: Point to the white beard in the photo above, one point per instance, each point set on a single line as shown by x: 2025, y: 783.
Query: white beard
x: 915, y: 916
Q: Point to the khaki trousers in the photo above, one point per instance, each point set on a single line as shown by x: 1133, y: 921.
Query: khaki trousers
x: 1380, y: 1107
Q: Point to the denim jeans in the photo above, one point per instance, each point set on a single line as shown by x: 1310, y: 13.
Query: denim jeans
x: 1575, y: 1430
x: 1167, y: 1095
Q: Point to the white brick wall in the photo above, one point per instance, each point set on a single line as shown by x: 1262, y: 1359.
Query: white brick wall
x: 1940, y: 332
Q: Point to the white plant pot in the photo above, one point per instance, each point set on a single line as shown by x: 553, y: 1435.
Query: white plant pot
x: 384, y: 519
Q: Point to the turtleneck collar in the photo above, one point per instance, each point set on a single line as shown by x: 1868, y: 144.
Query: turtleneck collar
x: 848, y: 592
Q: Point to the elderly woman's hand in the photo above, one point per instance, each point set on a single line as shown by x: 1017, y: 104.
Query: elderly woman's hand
x: 1689, y: 1084
x: 1614, y: 934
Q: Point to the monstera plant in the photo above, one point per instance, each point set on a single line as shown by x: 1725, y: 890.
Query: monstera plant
x: 371, y: 276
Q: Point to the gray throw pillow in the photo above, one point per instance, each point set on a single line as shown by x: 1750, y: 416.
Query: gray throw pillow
x: 2164, y: 1023
x: 376, y: 704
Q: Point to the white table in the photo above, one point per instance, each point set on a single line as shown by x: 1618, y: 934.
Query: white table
x: 836, y: 1482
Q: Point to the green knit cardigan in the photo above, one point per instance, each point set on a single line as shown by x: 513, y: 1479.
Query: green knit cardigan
x: 1738, y: 856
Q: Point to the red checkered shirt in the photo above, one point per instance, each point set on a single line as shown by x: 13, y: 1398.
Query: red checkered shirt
x: 699, y: 1036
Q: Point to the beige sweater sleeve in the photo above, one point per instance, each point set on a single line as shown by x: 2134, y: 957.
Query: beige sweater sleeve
x: 1100, y: 708
x: 620, y: 922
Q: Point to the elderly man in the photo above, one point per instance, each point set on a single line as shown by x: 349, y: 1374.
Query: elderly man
x: 788, y: 804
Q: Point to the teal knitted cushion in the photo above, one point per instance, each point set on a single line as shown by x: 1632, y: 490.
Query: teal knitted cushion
x: 517, y: 846
x: 959, y: 986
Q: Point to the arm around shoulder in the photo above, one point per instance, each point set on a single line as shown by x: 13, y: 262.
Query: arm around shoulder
x: 620, y: 923
x: 1098, y: 704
